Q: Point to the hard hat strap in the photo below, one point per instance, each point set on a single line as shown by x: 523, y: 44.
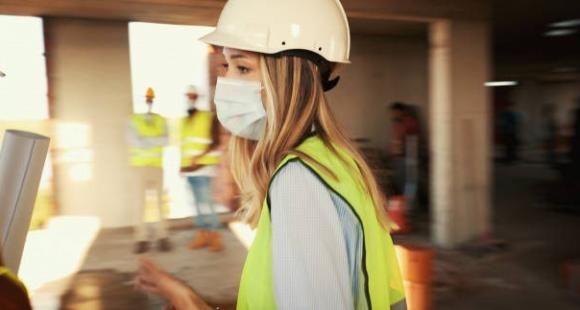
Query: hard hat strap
x: 324, y: 66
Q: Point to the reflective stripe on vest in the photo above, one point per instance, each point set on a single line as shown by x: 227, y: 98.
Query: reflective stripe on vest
x: 153, y: 126
x: 383, y: 283
x: 196, y: 139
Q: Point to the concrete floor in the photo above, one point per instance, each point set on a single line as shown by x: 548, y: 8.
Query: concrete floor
x: 522, y: 268
x: 519, y: 268
x: 106, y: 278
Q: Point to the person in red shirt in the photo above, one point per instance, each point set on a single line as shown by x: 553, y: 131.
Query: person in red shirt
x: 404, y: 127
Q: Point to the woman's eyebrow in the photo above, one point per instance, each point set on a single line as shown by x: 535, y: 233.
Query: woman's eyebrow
x: 237, y: 56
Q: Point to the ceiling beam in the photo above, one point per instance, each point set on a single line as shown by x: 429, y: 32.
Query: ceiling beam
x: 171, y: 11
x: 206, y: 12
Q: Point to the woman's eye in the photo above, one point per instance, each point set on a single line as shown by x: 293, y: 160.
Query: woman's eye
x: 225, y: 66
x: 243, y: 70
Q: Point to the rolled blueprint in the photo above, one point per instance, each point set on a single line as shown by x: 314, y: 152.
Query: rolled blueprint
x: 21, y: 162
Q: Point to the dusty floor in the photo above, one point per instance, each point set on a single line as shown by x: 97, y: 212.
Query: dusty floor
x: 518, y: 269
x: 522, y: 269
x: 106, y: 278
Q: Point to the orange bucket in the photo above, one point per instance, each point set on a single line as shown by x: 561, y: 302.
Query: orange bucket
x: 417, y: 270
x: 418, y: 295
x: 416, y: 263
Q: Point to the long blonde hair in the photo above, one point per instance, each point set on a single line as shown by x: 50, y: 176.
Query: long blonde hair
x: 295, y: 101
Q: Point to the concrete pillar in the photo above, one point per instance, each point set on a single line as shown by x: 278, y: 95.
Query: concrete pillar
x: 460, y: 131
x: 90, y: 85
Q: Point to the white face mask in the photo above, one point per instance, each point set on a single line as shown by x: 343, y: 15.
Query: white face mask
x: 239, y: 107
x: 190, y: 104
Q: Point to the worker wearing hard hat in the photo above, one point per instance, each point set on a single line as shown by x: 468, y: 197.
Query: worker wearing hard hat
x: 148, y: 135
x: 322, y: 239
x: 199, y: 159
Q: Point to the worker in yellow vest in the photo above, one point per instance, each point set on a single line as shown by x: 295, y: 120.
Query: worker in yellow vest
x: 13, y: 293
x: 322, y: 234
x: 148, y: 135
x: 199, y: 160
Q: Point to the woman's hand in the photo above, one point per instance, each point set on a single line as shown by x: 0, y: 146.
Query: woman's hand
x: 152, y: 279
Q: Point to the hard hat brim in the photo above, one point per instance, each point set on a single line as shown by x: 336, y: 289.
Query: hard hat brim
x: 224, y: 39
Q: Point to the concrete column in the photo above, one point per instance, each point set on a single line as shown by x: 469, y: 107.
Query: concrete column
x: 90, y: 83
x: 460, y: 131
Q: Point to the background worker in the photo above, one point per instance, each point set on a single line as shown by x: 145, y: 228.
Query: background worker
x: 403, y: 140
x: 199, y: 160
x: 13, y: 294
x: 148, y: 135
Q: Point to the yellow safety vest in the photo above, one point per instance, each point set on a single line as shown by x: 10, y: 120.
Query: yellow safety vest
x: 196, y: 138
x: 153, y: 126
x: 383, y: 284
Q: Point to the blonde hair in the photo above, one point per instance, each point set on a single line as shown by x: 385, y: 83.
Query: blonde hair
x: 295, y: 101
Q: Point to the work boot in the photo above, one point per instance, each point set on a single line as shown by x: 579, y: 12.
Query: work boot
x: 164, y: 245
x: 215, y: 241
x: 201, y: 240
x: 141, y: 247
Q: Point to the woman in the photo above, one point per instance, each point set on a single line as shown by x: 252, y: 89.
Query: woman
x: 322, y: 234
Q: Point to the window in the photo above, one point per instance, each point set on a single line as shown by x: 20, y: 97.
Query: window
x: 23, y: 91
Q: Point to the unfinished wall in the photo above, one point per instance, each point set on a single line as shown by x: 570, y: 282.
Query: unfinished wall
x: 89, y: 78
x: 383, y: 69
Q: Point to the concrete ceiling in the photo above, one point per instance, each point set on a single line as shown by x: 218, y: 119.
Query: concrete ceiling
x: 198, y: 12
x: 522, y: 50
x: 388, y: 27
x: 518, y: 24
x: 375, y: 17
x: 205, y: 12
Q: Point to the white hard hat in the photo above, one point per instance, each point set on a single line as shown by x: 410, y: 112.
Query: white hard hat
x: 191, y: 89
x: 273, y: 26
